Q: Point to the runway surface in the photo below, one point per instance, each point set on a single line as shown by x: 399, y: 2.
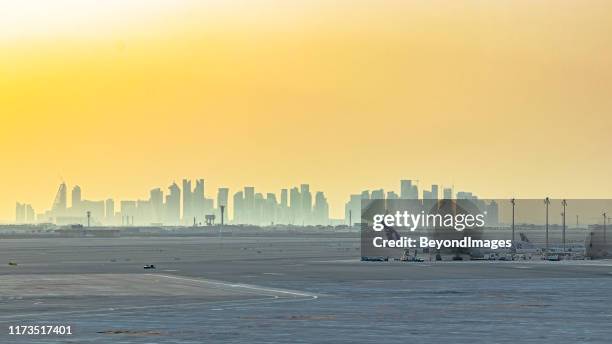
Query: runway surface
x: 291, y: 289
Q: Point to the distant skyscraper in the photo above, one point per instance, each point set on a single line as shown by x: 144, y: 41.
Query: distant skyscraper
x: 24, y: 213
x: 284, y: 201
x: 448, y: 193
x: 156, y: 198
x: 59, y: 204
x: 378, y: 194
x: 238, y: 208
x: 187, y: 202
x: 430, y: 203
x: 128, y: 212
x: 407, y: 190
x: 392, y: 195
x: 465, y: 195
x: 295, y: 206
x: 20, y: 213
x: 76, y: 197
x: 198, y: 201
x: 30, y: 216
x: 352, y: 210
x: 434, y: 191
x: 306, y: 203
x: 109, y: 211
x: 284, y: 216
x: 321, y: 209
x: 173, y: 205
x: 365, y: 194
x: 222, y: 197
x: 249, y: 204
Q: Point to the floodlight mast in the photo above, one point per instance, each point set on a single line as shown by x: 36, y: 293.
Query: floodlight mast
x: 547, y: 202
x: 564, y: 204
x: 513, y: 201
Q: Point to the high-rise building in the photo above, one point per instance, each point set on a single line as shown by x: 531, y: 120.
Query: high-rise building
x: 198, y: 209
x: 109, y: 211
x: 295, y: 206
x: 76, y: 197
x: 283, y: 212
x: 392, y: 195
x: 187, y: 202
x: 128, y: 211
x: 173, y: 205
x: 20, y: 215
x: 434, y: 191
x: 156, y: 198
x: 269, y: 211
x: 407, y: 190
x: 378, y: 194
x: 239, y: 216
x: 59, y: 203
x: 249, y: 204
x: 321, y: 209
x: 448, y: 193
x: 465, y: 195
x: 430, y: 199
x: 284, y: 201
x: 352, y: 210
x: 30, y: 216
x: 365, y: 194
x: 306, y: 203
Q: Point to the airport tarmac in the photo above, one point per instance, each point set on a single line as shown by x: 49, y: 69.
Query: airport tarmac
x: 280, y: 289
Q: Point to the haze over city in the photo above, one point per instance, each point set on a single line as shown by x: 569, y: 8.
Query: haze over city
x: 505, y: 99
x: 188, y: 204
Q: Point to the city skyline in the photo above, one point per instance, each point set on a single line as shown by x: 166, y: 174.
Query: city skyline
x: 189, y: 205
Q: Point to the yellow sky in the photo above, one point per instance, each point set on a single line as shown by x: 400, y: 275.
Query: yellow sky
x: 501, y: 98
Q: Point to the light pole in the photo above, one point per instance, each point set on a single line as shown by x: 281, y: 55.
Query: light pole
x: 88, y: 218
x: 604, y: 229
x: 547, y: 202
x: 564, y: 204
x: 513, y: 237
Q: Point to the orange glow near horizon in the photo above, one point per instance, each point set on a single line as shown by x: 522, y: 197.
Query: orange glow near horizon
x: 501, y: 98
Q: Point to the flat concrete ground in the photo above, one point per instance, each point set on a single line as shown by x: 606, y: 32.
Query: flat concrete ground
x: 292, y: 289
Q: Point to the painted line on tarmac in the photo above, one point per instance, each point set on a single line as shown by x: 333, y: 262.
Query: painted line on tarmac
x: 241, y: 285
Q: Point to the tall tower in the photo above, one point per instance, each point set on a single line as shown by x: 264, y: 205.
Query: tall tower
x: 110, y: 211
x: 20, y: 213
x: 295, y: 205
x: 173, y: 205
x: 306, y: 203
x: 249, y: 204
x: 321, y: 209
x: 156, y: 198
x: 198, y: 205
x: 407, y: 190
x: 76, y: 197
x: 59, y: 203
x: 187, y: 202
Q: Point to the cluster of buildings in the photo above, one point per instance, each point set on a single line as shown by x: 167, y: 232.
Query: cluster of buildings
x: 186, y: 206
x: 189, y: 206
x: 410, y: 191
x: 296, y: 207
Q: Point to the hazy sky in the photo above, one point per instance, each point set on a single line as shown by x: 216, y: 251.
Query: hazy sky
x: 501, y: 98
